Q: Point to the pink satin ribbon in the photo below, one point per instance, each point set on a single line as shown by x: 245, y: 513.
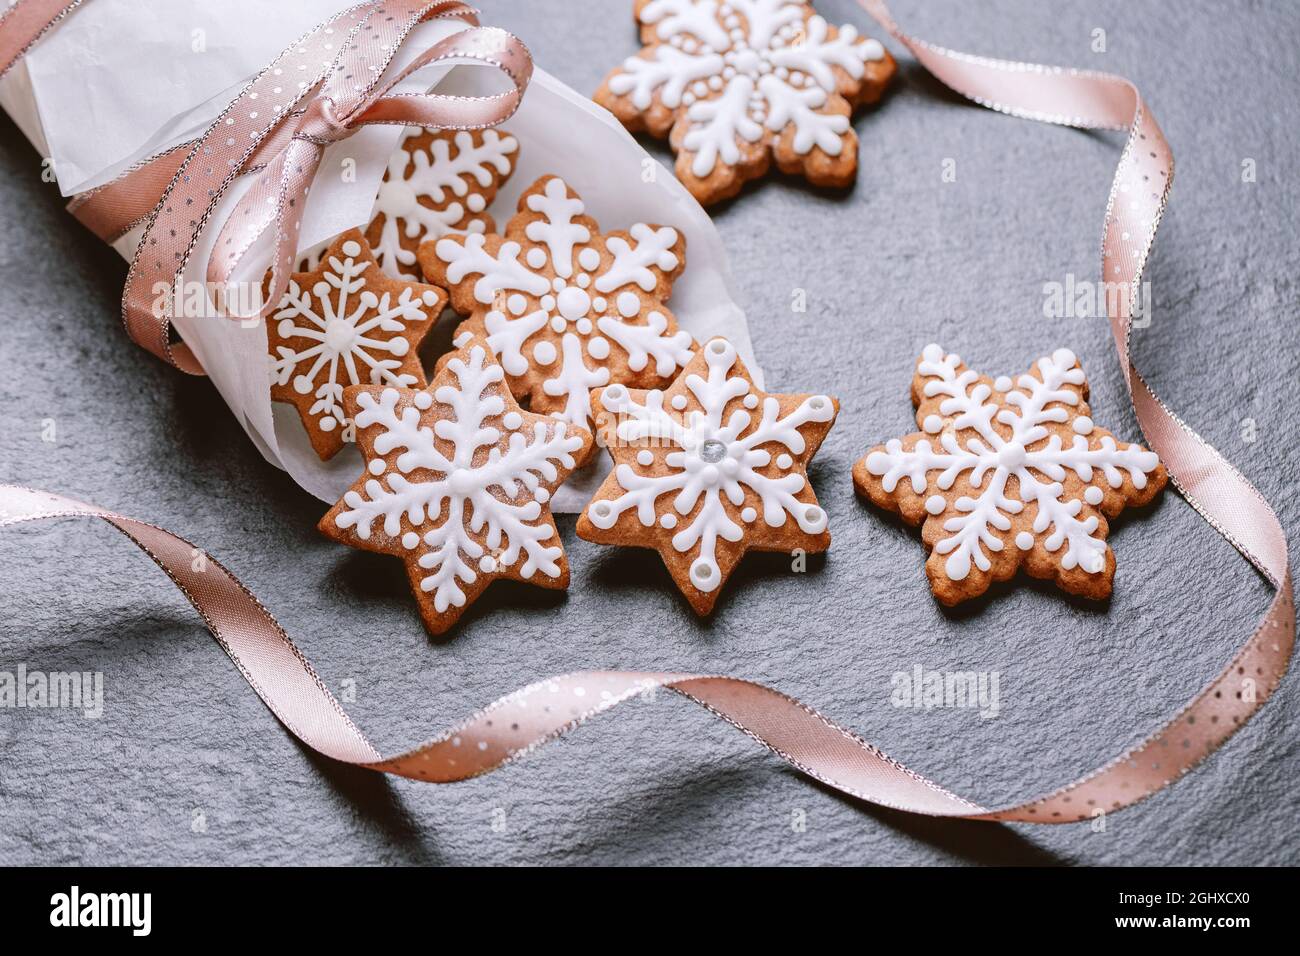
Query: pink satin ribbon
x: 24, y: 23
x: 529, y: 717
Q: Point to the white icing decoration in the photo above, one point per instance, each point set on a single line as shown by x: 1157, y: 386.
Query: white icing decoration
x: 441, y: 176
x: 714, y: 462
x: 498, y: 498
x: 496, y: 272
x: 1024, y: 541
x: 1033, y: 454
x: 342, y: 337
x: 735, y: 79
x: 556, y: 321
x: 556, y: 229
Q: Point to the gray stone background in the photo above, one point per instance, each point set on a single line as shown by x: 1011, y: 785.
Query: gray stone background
x: 901, y: 260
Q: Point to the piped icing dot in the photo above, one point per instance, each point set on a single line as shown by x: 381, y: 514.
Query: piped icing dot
x: 512, y: 420
x: 679, y: 402
x: 935, y: 504
x: 628, y: 304
x: 410, y: 540
x: 1024, y: 541
x: 377, y: 466
x: 1082, y: 425
x: 544, y: 353
x: 645, y: 458
x: 933, y: 424
x: 423, y: 400
x: 750, y: 401
x: 1002, y: 383
x: 536, y: 258
x: 748, y: 515
x: 517, y: 304
x: 668, y: 521
x: 784, y: 462
x: 1093, y: 495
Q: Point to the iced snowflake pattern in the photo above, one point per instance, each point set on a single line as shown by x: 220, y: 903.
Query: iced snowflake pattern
x: 733, y: 464
x: 437, y: 182
x: 458, y: 484
x: 565, y: 308
x: 987, y: 454
x: 737, y: 73
x: 345, y: 324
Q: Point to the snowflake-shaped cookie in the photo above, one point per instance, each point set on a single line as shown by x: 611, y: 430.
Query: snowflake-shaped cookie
x: 437, y: 182
x: 708, y: 469
x: 564, y: 307
x: 736, y: 82
x: 345, y: 323
x: 1008, y: 475
x: 457, y: 484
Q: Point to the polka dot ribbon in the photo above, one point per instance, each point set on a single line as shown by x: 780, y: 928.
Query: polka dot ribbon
x: 524, y: 720
x: 322, y: 89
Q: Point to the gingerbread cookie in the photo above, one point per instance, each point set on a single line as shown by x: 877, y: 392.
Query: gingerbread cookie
x: 708, y: 469
x: 345, y: 323
x: 565, y: 307
x: 457, y: 484
x: 734, y: 83
x: 437, y: 182
x: 1009, y: 475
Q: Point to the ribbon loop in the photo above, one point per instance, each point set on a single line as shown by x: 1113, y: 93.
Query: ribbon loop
x: 337, y: 110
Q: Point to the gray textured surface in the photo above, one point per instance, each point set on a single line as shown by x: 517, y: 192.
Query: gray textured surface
x: 901, y: 260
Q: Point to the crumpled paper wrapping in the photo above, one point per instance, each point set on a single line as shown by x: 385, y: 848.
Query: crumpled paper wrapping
x: 121, y: 80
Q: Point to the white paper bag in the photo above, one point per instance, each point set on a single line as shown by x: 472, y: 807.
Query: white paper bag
x: 121, y: 80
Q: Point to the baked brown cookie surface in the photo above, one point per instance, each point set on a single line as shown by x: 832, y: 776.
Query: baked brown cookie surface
x: 708, y: 469
x: 345, y: 323
x: 1008, y: 475
x: 736, y: 83
x: 457, y: 484
x: 437, y: 182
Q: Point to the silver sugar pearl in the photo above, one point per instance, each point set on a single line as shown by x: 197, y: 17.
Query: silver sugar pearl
x: 713, y: 451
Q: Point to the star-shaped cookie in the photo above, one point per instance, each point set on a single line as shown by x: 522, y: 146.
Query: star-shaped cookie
x: 458, y: 483
x: 708, y: 469
x: 437, y: 182
x: 565, y: 307
x: 345, y: 323
x: 1008, y: 475
x: 736, y: 83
